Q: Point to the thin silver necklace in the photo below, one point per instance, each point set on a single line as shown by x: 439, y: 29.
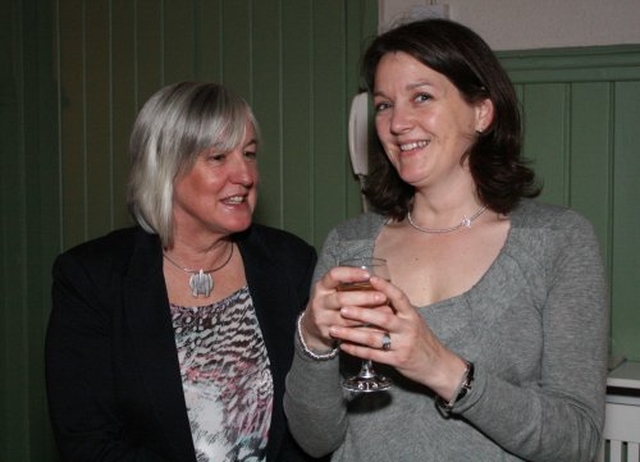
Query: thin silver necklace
x: 200, y: 282
x: 466, y: 222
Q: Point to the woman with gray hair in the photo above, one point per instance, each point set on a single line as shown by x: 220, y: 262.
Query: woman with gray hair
x: 170, y: 340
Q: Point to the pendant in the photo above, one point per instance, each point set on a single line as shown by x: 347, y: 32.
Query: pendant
x: 201, y: 283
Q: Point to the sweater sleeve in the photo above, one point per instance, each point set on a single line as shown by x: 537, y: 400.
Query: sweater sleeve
x: 561, y: 416
x: 314, y: 404
x: 313, y: 399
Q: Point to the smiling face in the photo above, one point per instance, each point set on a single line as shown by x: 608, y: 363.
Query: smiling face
x: 423, y: 122
x: 218, y: 194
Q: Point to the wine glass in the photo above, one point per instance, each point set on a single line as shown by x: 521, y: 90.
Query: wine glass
x: 367, y: 380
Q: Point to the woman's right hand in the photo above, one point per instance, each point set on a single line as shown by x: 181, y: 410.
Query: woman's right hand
x: 323, y: 310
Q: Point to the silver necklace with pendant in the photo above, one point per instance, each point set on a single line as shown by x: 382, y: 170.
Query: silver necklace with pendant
x: 466, y: 222
x: 200, y: 281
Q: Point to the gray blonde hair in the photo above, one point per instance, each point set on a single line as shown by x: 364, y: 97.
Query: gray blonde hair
x: 173, y: 127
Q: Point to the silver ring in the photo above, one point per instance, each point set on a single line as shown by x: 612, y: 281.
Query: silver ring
x: 386, y: 342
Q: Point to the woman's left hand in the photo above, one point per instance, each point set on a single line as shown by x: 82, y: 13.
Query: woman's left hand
x: 414, y: 349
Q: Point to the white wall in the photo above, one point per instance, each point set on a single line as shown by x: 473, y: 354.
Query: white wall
x: 527, y: 24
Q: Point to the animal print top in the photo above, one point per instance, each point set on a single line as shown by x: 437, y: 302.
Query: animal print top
x: 226, y: 379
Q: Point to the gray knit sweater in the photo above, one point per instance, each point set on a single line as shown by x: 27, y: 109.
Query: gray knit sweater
x: 536, y: 327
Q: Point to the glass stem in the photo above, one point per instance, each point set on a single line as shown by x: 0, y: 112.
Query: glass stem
x: 366, y: 371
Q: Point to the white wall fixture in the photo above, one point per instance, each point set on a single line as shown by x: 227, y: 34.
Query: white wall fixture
x: 359, y: 138
x: 621, y: 435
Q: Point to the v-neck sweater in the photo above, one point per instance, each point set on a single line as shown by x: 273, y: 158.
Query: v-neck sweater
x: 536, y: 327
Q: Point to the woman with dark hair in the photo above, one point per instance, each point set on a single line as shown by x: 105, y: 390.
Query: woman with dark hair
x: 493, y: 329
x: 495, y: 162
x: 170, y: 340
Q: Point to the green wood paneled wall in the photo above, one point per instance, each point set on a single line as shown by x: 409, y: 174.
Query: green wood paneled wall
x: 29, y: 224
x: 582, y: 129
x: 294, y: 60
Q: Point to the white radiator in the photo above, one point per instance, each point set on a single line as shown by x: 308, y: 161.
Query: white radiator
x: 621, y: 436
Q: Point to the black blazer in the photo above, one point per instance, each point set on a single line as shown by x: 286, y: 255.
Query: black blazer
x: 113, y: 380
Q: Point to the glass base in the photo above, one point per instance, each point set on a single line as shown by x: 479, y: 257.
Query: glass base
x: 370, y: 384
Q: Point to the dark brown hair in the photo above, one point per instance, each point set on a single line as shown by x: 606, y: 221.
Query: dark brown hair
x: 500, y: 173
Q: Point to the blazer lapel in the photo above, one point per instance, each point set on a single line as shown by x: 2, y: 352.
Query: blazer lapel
x: 270, y: 292
x: 148, y: 316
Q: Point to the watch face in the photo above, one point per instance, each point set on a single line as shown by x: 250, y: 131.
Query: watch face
x: 465, y: 387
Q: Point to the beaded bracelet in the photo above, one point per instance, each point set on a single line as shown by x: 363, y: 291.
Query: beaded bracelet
x: 310, y: 353
x: 461, y: 392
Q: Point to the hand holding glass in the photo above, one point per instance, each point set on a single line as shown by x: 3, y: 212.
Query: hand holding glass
x: 367, y: 379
